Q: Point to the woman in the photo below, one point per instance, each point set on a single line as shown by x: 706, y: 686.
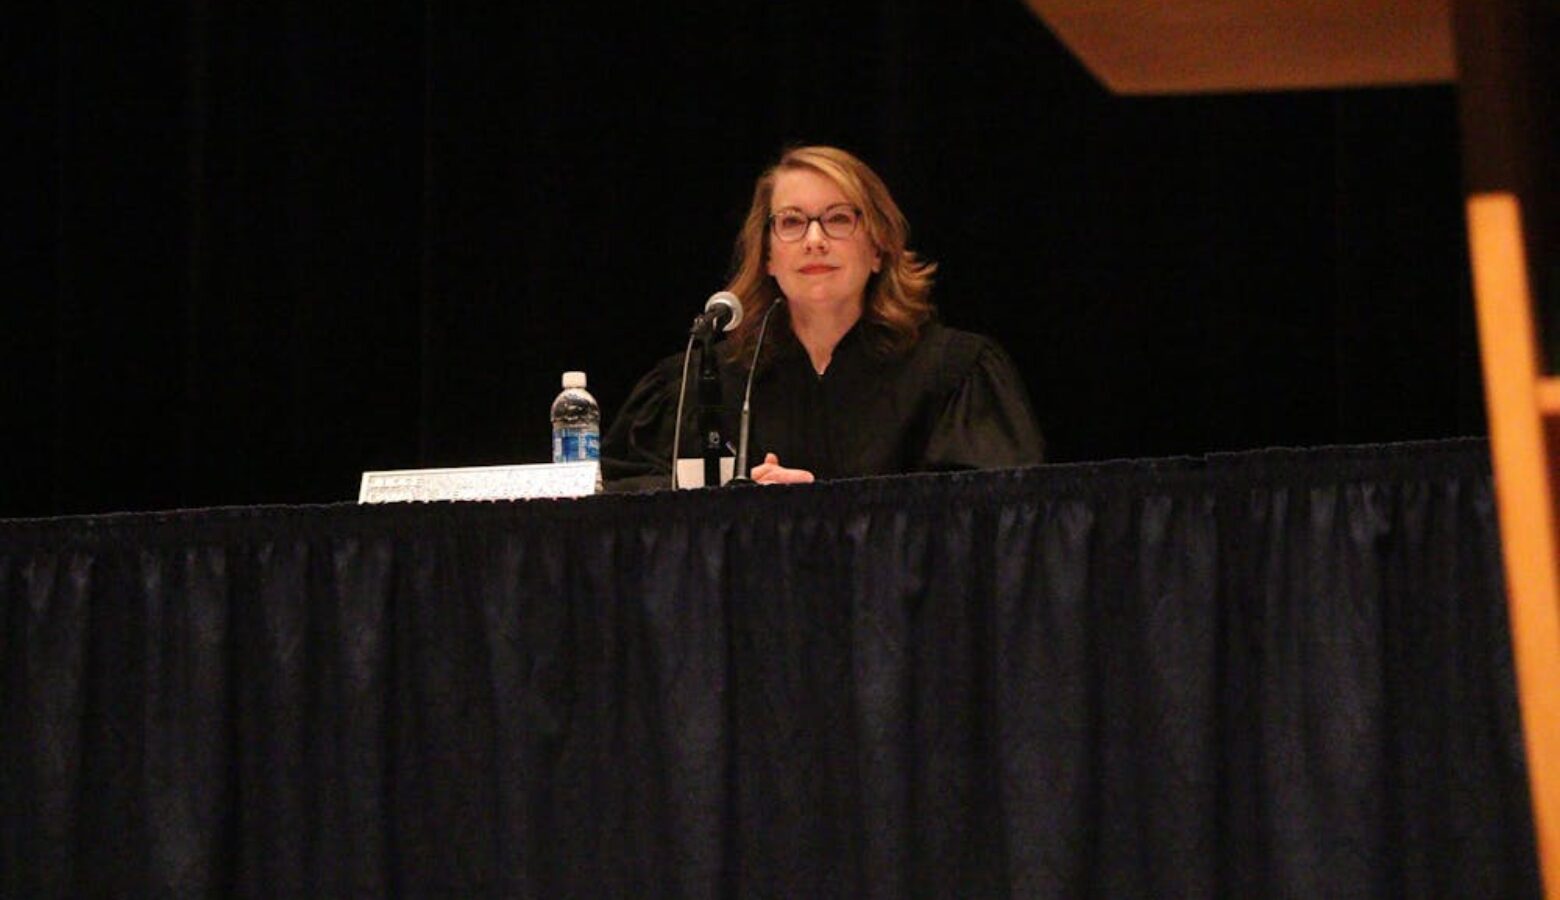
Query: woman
x: 855, y: 376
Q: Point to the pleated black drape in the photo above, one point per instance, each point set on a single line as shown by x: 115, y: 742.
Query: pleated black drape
x: 1282, y: 674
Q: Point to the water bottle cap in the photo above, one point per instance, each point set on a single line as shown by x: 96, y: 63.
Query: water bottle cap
x: 573, y: 380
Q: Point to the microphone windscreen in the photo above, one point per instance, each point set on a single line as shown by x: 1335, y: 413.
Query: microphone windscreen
x: 730, y: 301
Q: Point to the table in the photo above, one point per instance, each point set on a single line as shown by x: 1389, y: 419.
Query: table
x: 1278, y: 673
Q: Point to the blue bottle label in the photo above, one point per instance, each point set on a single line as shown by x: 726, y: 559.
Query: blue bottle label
x: 576, y: 445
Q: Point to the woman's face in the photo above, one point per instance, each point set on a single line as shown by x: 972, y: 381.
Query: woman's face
x: 819, y: 271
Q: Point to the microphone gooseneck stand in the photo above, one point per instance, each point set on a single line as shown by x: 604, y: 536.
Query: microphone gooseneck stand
x: 722, y: 309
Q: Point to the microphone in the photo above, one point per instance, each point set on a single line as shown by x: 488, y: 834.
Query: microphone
x: 723, y: 309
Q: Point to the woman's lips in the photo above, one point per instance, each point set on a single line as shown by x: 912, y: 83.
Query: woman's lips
x: 816, y: 269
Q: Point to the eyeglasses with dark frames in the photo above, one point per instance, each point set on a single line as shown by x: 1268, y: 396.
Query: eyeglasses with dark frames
x: 838, y: 221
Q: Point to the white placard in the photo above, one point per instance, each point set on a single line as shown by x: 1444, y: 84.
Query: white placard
x: 690, y: 472
x: 481, y: 483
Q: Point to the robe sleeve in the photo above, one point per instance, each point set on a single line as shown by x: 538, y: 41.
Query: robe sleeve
x: 636, y: 453
x: 987, y: 421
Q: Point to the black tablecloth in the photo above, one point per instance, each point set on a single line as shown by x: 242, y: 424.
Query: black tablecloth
x: 1274, y: 674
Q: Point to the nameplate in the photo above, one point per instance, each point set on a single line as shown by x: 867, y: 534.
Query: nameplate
x: 579, y: 479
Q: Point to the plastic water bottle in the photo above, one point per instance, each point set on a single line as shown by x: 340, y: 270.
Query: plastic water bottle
x: 576, y: 422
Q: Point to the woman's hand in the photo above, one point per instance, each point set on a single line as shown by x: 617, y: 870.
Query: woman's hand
x: 771, y: 472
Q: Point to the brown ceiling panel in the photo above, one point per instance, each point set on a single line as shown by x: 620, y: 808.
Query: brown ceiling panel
x: 1199, y: 46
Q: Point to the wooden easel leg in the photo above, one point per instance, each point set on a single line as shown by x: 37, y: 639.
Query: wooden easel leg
x: 1517, y: 396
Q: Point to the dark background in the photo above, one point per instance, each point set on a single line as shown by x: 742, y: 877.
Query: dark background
x: 254, y: 251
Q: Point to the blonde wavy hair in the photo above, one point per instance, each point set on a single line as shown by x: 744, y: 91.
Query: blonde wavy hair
x: 897, y: 300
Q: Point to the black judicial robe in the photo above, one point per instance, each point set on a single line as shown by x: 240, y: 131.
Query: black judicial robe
x: 953, y: 401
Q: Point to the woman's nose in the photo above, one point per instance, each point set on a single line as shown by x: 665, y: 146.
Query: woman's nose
x: 814, y: 233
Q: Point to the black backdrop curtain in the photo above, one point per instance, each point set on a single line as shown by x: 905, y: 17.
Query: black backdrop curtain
x: 256, y: 249
x: 1283, y: 674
